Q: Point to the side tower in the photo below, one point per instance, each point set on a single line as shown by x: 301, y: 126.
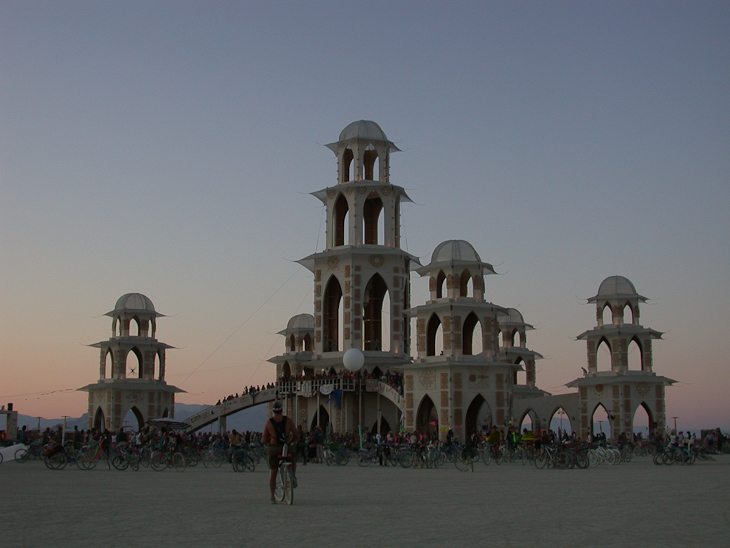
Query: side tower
x: 620, y: 375
x: 362, y: 277
x: 460, y: 379
x: 131, y: 368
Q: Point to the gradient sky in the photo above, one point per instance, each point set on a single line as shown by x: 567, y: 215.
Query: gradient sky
x: 168, y: 148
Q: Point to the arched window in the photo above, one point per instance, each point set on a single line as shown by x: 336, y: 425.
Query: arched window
x: 635, y: 355
x: 520, y: 377
x: 466, y: 285
x: 331, y: 314
x: 375, y: 292
x: 307, y: 343
x: 643, y: 422
x: 371, y: 164
x: 440, y: 283
x: 134, y: 364
x: 471, y: 335
x: 292, y: 343
x: 108, y: 364
x: 603, y: 356
x: 628, y: 314
x: 427, y: 417
x: 434, y: 336
x: 347, y: 165
x: 560, y: 421
x: 607, y: 314
x: 341, y: 218
x: 372, y: 209
x: 600, y: 421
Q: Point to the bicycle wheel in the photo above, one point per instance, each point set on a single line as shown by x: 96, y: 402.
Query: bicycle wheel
x: 119, y: 462
x: 464, y: 462
x: 363, y: 458
x: 342, y: 458
x: 541, y: 460
x: 405, y: 459
x: 498, y: 456
x: 178, y: 462
x: 158, y: 461
x: 213, y: 459
x: 22, y: 455
x: 581, y: 460
x: 56, y: 461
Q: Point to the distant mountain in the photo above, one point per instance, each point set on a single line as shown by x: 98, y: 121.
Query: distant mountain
x: 250, y: 419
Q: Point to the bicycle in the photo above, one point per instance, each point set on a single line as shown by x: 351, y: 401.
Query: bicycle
x: 463, y: 459
x: 241, y: 460
x: 160, y: 460
x: 284, y: 490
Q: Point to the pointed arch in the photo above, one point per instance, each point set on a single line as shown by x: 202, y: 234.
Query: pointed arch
x: 440, y: 283
x: 466, y: 284
x: 635, y: 355
x: 134, y: 415
x: 347, y: 165
x: 340, y: 221
x: 384, y: 426
x: 560, y: 421
x: 478, y: 416
x: 99, y: 423
x: 427, y: 421
x: 607, y: 314
x: 292, y: 343
x: 529, y: 421
x: 321, y: 419
x: 643, y: 420
x: 286, y: 370
x: 471, y: 335
x: 108, y: 364
x: 370, y: 162
x: 307, y: 342
x: 600, y: 421
x: 434, y: 332
x: 375, y: 292
x: 372, y: 209
x: 133, y: 370
x: 520, y: 377
x: 604, y: 355
x: 331, y: 305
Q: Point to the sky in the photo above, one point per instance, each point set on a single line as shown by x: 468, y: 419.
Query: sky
x: 169, y: 148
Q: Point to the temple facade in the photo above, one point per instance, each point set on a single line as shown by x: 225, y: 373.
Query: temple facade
x: 470, y: 366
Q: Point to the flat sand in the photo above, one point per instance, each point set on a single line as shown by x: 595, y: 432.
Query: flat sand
x: 631, y: 504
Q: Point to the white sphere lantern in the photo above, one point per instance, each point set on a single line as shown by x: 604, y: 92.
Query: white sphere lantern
x: 353, y: 360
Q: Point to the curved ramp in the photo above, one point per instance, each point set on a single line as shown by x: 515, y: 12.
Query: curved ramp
x: 306, y: 389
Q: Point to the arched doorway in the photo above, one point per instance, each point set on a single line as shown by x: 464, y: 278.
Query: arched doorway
x: 427, y: 422
x: 478, y: 417
x: 321, y: 419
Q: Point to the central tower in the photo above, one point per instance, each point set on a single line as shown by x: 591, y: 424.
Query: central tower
x: 361, y: 279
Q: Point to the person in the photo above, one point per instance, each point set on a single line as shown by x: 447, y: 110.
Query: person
x: 279, y: 430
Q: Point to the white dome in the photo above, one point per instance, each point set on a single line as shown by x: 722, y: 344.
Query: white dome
x: 616, y: 285
x: 512, y: 316
x: 364, y: 129
x: 455, y: 250
x: 134, y: 301
x: 301, y: 321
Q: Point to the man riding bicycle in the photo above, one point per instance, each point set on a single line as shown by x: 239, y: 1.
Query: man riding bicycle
x: 278, y: 431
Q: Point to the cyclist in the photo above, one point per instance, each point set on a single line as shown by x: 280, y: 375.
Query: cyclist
x: 279, y: 430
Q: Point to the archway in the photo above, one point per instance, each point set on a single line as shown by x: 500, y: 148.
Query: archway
x: 603, y: 356
x: 471, y: 335
x: 373, y: 220
x: 466, y: 285
x: 321, y: 419
x: 384, y: 427
x: 331, y: 315
x: 635, y: 356
x: 530, y: 421
x: 341, y: 217
x: 108, y: 364
x: 427, y: 422
x: 440, y: 284
x: 600, y: 421
x: 134, y: 364
x: 434, y: 336
x: 643, y: 421
x: 478, y: 417
x: 99, y: 424
x: 133, y: 420
x: 375, y: 291
x: 560, y: 421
